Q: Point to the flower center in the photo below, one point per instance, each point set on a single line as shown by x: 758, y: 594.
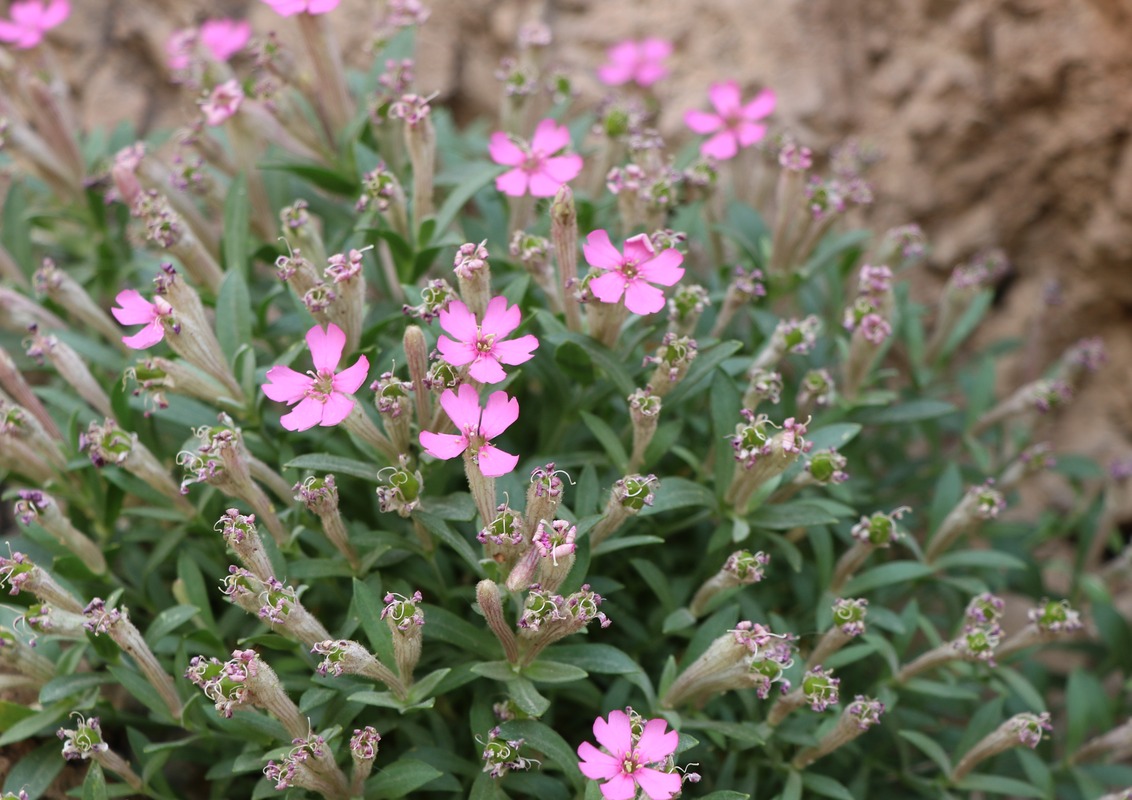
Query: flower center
x: 629, y: 269
x: 534, y: 162
x: 630, y: 763
x: 484, y: 344
x: 322, y: 385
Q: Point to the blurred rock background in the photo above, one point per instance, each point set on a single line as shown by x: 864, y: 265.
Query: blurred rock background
x: 1003, y: 123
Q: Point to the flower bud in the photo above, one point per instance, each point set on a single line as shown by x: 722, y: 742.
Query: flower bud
x: 549, y: 617
x: 402, y: 494
x: 744, y: 287
x: 21, y: 658
x: 405, y: 619
x: 979, y: 503
x: 39, y: 507
x: 71, y: 368
x: 741, y: 569
x: 491, y: 604
x: 1022, y: 729
x: 320, y: 496
x: 644, y: 411
x: 69, y: 294
x: 473, y: 274
x: 506, y: 538
x: 673, y: 358
x: 858, y: 717
x: 685, y: 308
x: 392, y: 396
x: 363, y: 751
x: 344, y: 657
x: 748, y: 656
x: 817, y: 390
x: 628, y: 496
x: 86, y: 742
x: 564, y: 234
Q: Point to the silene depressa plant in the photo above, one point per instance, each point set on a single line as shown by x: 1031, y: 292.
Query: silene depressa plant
x: 669, y: 486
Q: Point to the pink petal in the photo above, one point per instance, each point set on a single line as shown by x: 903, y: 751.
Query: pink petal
x: 304, y: 416
x: 702, y: 121
x: 639, y: 248
x: 498, y: 319
x: 563, y: 168
x: 653, y: 49
x: 326, y: 346
x: 608, y: 287
x: 649, y: 73
x: 761, y: 106
x: 513, y: 182
x: 621, y: 787
x: 504, y: 151
x: 486, y: 369
x: 10, y: 32
x: 462, y: 407
x: 641, y: 298
x: 494, y: 462
x: 721, y: 147
x: 614, y: 735
x: 749, y: 132
x: 456, y: 353
x: 321, y: 6
x: 285, y: 385
x: 443, y: 445
x: 600, y: 252
x: 658, y: 785
x: 287, y: 8
x: 135, y: 309
x: 550, y: 137
x: 654, y: 744
x: 457, y: 320
x: 615, y: 74
x: 596, y: 764
x: 725, y: 97
x: 665, y: 269
x: 348, y: 380
x: 516, y: 351
x: 336, y: 408
x: 148, y: 336
x: 56, y: 12
x: 543, y: 184
x: 224, y: 37
x: 626, y: 53
x: 27, y: 13
x: 499, y: 414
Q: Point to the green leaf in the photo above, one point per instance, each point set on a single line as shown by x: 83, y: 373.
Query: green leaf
x: 544, y: 671
x: 440, y: 529
x: 793, y: 788
x: 676, y: 493
x: 678, y: 620
x: 192, y: 581
x: 94, y: 787
x: 1087, y: 707
x: 656, y: 579
x: 603, y: 659
x: 826, y: 786
x: 886, y: 575
x: 939, y: 690
x: 793, y: 514
x: 526, y: 697
x: 929, y: 747
x: 613, y: 366
x: 11, y: 713
x: 948, y: 490
x: 325, y: 462
x: 969, y: 321
x: 987, y: 559
x: 486, y: 788
x: 998, y: 784
x: 400, y: 778
x: 168, y: 621
x: 35, y: 771
x: 727, y: 795
x: 32, y: 725
x: 323, y: 178
x: 912, y: 411
x: 624, y: 543
x: 66, y: 685
x: 235, y: 242
x: 424, y: 687
x: 543, y: 738
x: 496, y: 670
x: 457, y: 507
x: 233, y: 317
x: 609, y: 440
x: 368, y: 606
x: 837, y: 435
x: 141, y: 689
x: 464, y: 191
x: 445, y: 626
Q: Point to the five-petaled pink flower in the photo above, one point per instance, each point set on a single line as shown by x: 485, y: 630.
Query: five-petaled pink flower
x: 536, y: 170
x: 481, y: 344
x: 476, y: 429
x: 224, y: 101
x: 626, y: 765
x: 288, y: 8
x: 30, y: 19
x: 640, y: 62
x: 735, y: 125
x: 136, y: 310
x: 225, y: 37
x: 323, y: 396
x: 632, y: 273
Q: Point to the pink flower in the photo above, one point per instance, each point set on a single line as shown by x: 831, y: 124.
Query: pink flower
x: 224, y: 101
x: 476, y: 429
x: 632, y: 273
x: 133, y: 309
x: 733, y: 124
x: 179, y: 49
x: 225, y: 37
x: 480, y: 344
x: 288, y: 8
x: 640, y: 62
x: 536, y: 169
x: 31, y: 19
x: 323, y: 396
x: 624, y: 766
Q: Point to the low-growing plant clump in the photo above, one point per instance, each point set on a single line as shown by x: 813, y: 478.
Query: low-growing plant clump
x: 668, y: 486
